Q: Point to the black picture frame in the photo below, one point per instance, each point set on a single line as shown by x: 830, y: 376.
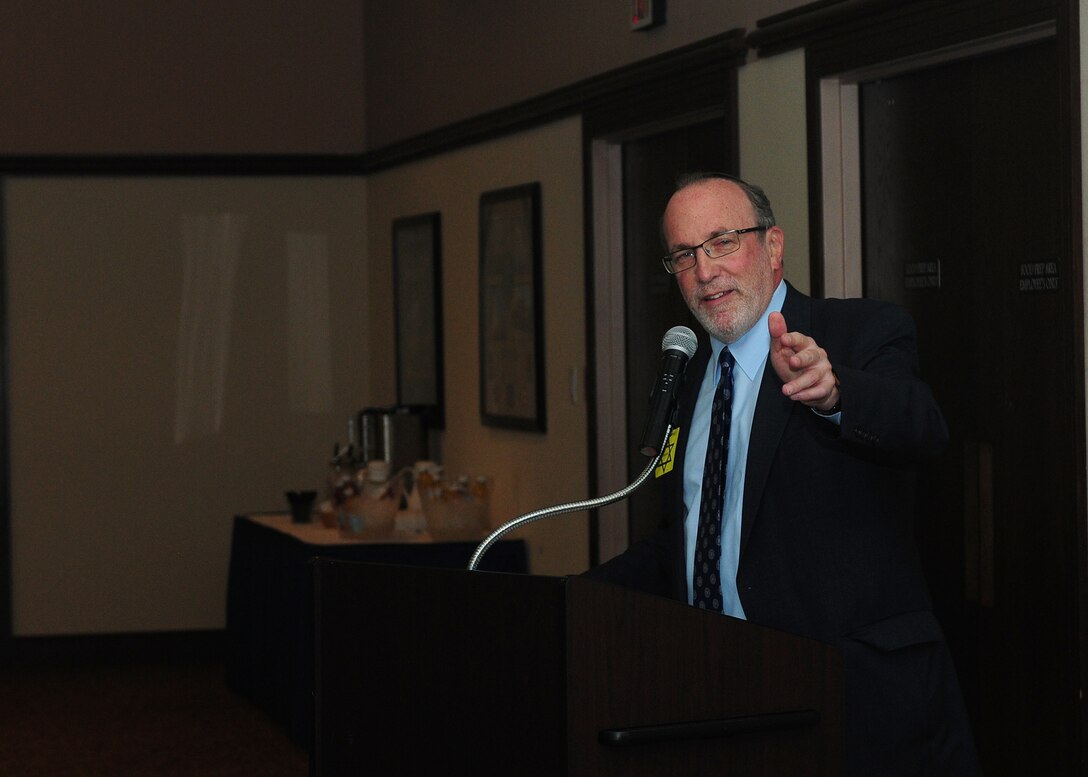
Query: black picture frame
x: 417, y: 296
x: 512, y: 385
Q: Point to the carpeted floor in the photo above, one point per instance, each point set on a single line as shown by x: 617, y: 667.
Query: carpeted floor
x: 137, y: 720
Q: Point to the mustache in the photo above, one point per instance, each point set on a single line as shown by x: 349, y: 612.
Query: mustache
x: 710, y: 289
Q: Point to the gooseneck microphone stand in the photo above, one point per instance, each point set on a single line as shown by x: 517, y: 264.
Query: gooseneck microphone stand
x: 569, y: 507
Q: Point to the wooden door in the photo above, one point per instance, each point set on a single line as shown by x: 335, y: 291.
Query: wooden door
x: 653, y: 303
x: 961, y: 224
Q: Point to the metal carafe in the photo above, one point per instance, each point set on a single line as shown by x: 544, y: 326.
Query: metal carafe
x: 395, y: 434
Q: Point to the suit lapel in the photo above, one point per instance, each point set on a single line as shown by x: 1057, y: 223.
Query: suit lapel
x: 772, y: 412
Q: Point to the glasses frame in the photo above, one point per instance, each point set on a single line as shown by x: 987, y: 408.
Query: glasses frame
x: 705, y: 245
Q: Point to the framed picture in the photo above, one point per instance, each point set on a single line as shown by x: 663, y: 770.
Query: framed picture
x: 417, y: 295
x: 511, y: 310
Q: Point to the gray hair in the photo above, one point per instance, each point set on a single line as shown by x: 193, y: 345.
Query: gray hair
x: 761, y: 204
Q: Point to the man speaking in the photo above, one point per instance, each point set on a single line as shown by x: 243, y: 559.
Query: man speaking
x: 800, y: 423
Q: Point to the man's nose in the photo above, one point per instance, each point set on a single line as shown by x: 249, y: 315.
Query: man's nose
x: 706, y: 267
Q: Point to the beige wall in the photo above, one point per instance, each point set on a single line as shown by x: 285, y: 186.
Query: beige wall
x: 530, y: 470
x: 182, y: 77
x: 774, y: 149
x: 341, y: 76
x: 430, y: 63
x: 129, y: 455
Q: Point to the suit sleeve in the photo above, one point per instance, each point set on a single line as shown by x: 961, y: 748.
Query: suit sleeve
x: 886, y: 408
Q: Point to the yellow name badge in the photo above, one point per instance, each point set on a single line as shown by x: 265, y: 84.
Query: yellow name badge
x: 668, y: 456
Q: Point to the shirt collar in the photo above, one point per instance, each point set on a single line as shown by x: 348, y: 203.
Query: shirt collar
x: 751, y: 349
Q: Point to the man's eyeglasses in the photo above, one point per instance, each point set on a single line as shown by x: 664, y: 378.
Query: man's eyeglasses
x: 725, y: 243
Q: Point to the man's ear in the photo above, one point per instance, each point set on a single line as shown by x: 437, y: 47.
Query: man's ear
x: 775, y: 244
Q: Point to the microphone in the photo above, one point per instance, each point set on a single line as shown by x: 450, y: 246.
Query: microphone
x: 677, y: 346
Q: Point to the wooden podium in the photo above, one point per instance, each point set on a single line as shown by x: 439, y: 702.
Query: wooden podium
x: 431, y: 671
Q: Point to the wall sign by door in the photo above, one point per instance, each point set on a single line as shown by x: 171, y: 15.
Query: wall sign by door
x: 1038, y: 276
x: 922, y: 275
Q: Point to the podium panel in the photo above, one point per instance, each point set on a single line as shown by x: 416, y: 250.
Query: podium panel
x: 421, y: 669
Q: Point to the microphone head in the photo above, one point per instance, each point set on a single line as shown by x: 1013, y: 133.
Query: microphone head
x: 680, y: 338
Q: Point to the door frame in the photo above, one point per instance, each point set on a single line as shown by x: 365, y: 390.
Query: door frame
x: 610, y: 355
x: 611, y: 533
x: 839, y: 152
x: 682, y: 87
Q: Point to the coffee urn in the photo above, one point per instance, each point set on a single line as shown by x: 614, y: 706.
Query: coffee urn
x: 395, y: 434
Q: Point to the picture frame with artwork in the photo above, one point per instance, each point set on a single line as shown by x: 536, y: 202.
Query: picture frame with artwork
x: 511, y: 310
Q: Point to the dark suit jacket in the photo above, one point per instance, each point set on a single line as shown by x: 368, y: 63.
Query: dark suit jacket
x: 827, y: 549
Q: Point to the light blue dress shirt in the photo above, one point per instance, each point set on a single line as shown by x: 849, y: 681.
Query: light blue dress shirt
x: 750, y: 352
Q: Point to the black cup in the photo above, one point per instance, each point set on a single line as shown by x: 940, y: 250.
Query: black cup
x: 302, y: 505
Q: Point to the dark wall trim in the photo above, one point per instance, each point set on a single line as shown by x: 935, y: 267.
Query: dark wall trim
x: 618, y: 93
x: 181, y: 165
x: 801, y: 26
x: 871, y: 31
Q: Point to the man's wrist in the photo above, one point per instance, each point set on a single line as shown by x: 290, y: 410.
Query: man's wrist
x: 837, y: 406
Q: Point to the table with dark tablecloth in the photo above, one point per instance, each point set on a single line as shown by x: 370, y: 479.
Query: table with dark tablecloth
x: 269, y: 645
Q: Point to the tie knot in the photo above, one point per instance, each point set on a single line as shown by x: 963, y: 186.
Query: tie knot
x: 726, y: 359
